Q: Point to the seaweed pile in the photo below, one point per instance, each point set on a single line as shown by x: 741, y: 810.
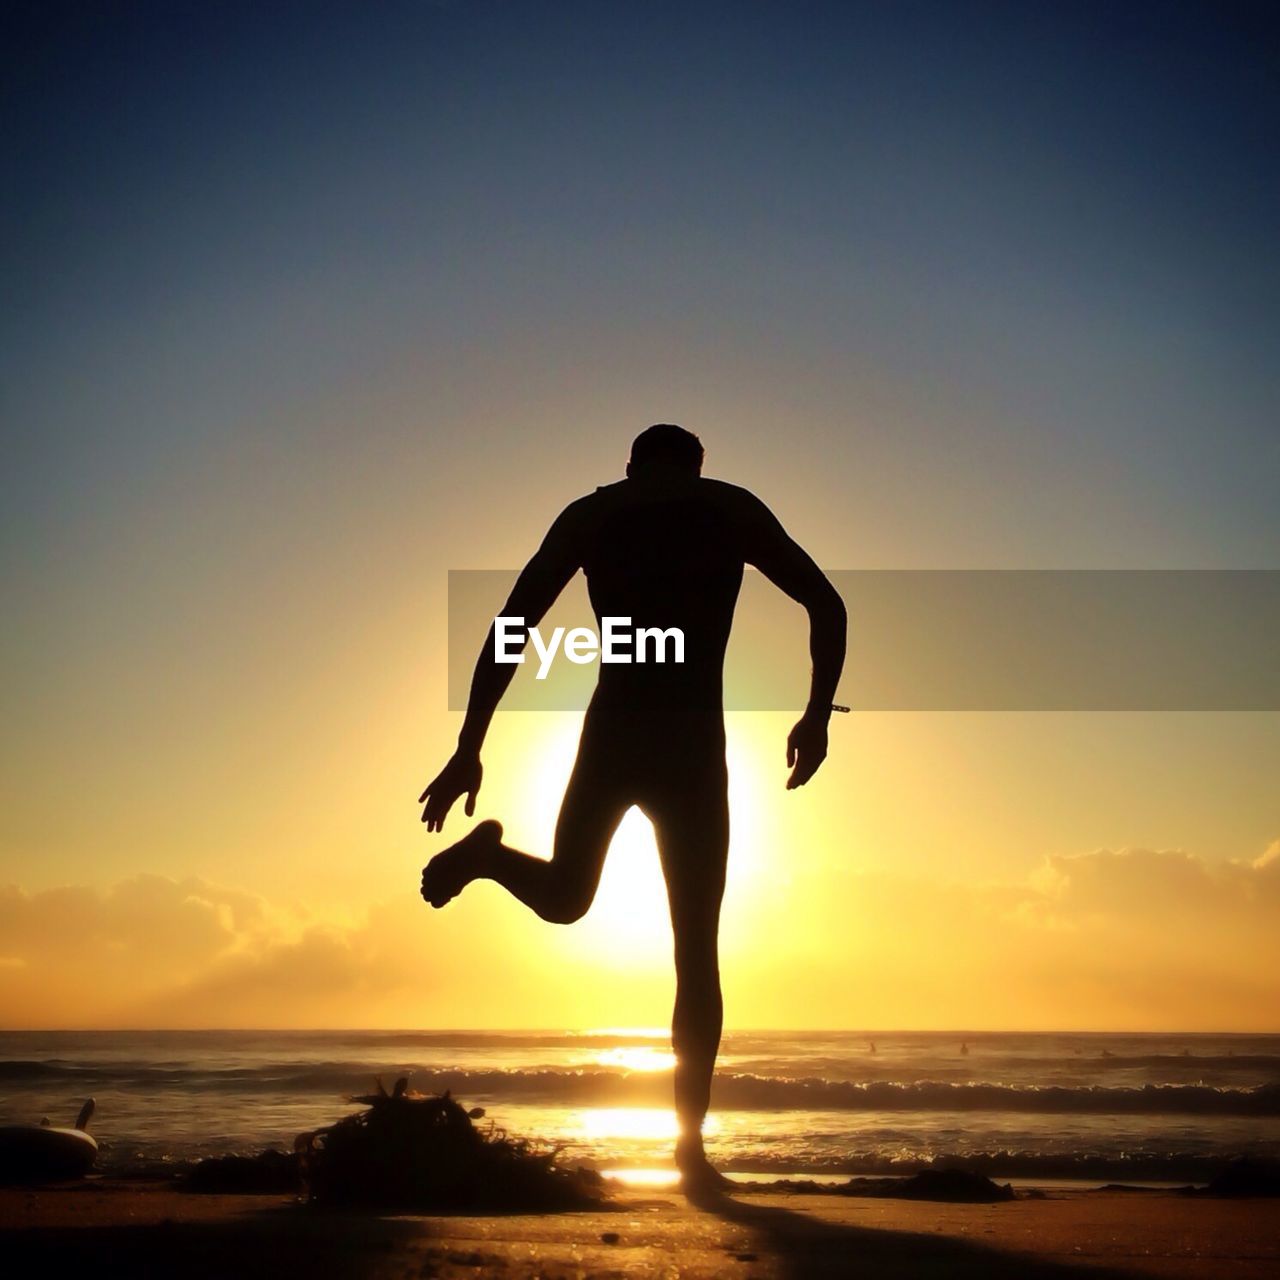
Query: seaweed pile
x: 270, y: 1172
x: 424, y: 1152
x: 1248, y: 1176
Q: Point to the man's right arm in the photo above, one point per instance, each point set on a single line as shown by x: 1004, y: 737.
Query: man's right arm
x: 786, y: 564
x: 535, y: 591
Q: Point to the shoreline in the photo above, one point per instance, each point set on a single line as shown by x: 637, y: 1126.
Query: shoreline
x: 121, y: 1226
x: 663, y: 1178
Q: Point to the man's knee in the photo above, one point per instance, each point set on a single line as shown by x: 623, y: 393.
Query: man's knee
x: 567, y: 904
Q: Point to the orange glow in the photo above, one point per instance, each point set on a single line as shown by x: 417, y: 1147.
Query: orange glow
x: 647, y: 1123
x: 635, y: 1059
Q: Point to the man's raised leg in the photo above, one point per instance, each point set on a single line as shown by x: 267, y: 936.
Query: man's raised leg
x: 559, y: 890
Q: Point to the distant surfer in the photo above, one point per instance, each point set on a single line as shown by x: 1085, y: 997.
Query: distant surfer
x: 662, y: 547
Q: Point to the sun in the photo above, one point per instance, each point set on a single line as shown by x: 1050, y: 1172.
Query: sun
x: 629, y: 920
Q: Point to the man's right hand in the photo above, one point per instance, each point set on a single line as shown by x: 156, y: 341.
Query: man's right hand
x: 461, y: 776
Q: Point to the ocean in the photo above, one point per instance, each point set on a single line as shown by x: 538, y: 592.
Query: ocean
x: 1039, y: 1107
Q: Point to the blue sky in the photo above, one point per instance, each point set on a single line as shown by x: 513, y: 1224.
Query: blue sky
x: 304, y: 305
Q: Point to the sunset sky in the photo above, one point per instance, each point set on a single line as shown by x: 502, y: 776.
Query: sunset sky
x: 304, y: 308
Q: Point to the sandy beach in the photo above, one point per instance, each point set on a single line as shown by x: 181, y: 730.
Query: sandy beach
x: 149, y: 1229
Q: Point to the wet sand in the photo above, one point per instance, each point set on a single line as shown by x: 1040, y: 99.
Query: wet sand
x: 140, y: 1229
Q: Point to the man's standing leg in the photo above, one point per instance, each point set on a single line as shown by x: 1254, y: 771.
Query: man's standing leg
x: 692, y: 828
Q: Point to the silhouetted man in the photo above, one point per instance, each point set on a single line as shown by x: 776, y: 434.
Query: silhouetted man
x: 666, y: 548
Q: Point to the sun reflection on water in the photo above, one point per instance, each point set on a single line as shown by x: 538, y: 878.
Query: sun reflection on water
x: 653, y: 1124
x: 635, y: 1058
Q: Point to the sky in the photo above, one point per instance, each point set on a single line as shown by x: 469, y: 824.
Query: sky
x: 305, y: 306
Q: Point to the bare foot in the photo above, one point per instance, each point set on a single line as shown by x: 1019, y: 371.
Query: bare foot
x: 697, y: 1175
x: 450, y: 871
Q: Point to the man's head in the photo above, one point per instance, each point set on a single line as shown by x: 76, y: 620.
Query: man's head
x: 665, y: 447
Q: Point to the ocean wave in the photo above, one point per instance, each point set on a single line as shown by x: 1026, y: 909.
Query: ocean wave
x: 732, y: 1091
x: 1179, y: 1061
x: 751, y: 1092
x: 1075, y: 1166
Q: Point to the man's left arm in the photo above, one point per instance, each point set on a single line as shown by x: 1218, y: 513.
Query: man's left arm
x: 789, y: 567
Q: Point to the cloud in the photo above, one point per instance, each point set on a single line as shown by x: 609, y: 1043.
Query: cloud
x: 1126, y: 938
x: 1131, y: 938
x: 69, y: 949
x: 1162, y: 883
x: 155, y: 952
x: 149, y: 919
